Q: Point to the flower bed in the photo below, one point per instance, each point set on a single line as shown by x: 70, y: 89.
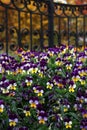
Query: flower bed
x: 44, y: 90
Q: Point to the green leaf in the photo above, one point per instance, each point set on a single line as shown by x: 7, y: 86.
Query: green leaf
x: 74, y: 115
x: 43, y: 127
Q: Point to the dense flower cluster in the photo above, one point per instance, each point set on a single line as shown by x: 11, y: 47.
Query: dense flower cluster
x: 44, y: 90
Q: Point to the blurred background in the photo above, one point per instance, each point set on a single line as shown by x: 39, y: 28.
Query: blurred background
x: 25, y: 24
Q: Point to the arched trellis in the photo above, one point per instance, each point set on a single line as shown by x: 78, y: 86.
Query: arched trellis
x: 67, y: 19
x: 15, y: 35
x: 75, y: 17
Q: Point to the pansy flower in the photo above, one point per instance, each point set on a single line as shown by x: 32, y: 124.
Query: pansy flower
x: 82, y: 57
x: 77, y: 106
x: 83, y: 80
x: 84, y: 113
x: 42, y: 117
x: 66, y: 107
x: 67, y: 56
x: 68, y: 123
x: 44, y: 56
x: 68, y: 65
x: 33, y: 69
x: 66, y: 104
x: 49, y: 85
x: 60, y: 84
x: 79, y: 65
x: 33, y: 102
x: 50, y: 52
x: 59, y: 81
x: 27, y: 111
x: 29, y: 81
x: 13, y: 120
x: 43, y: 64
x: 26, y: 56
x: 63, y: 49
x: 82, y: 72
x: 12, y: 85
x: 38, y: 90
x: 75, y: 76
x: 41, y: 73
x: 72, y: 86
x: 1, y: 106
x: 71, y: 50
x: 18, y: 70
x: 59, y: 61
x: 80, y: 96
x: 83, y: 124
x: 4, y: 86
x: 25, y: 66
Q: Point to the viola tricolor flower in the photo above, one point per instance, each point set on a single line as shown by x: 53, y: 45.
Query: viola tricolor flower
x: 83, y: 124
x: 77, y: 106
x: 63, y: 49
x: 59, y: 61
x: 59, y: 82
x: 79, y: 65
x: 67, y: 56
x: 83, y: 80
x: 82, y: 72
x: 50, y: 52
x: 43, y: 64
x: 68, y: 123
x: 38, y: 90
x: 71, y: 49
x: 1, y: 106
x: 82, y: 57
x: 75, y: 76
x: 27, y: 111
x: 33, y: 102
x: 72, y: 86
x: 41, y: 73
x: 84, y: 113
x: 68, y: 66
x: 49, y: 85
x: 4, y: 86
x: 13, y: 120
x: 12, y: 85
x: 42, y: 117
x: 33, y: 69
x: 80, y: 96
x: 29, y: 81
x: 66, y: 105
